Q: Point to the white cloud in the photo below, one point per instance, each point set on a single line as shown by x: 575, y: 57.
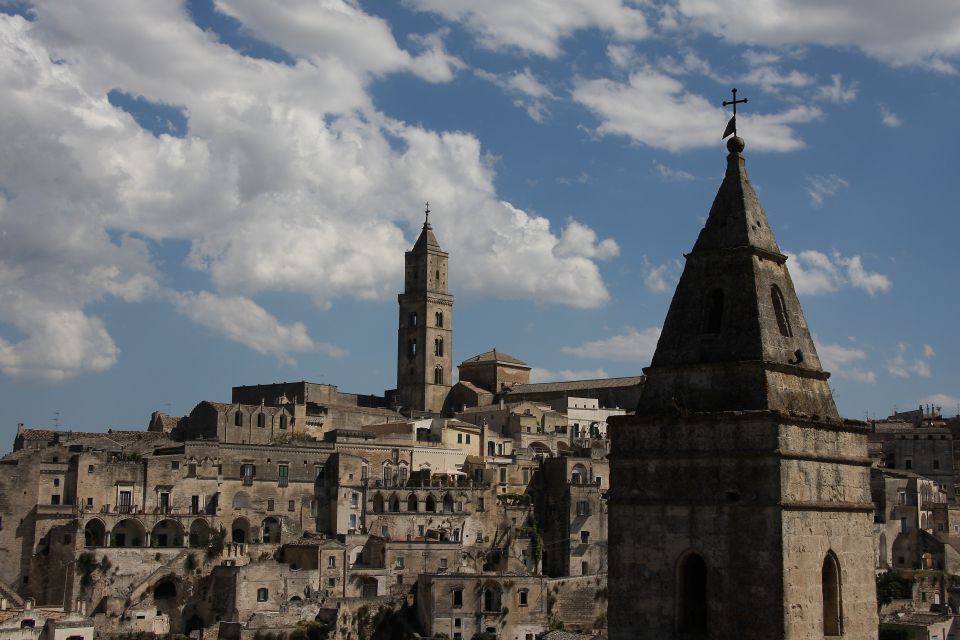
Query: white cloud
x: 819, y: 187
x: 288, y: 179
x: 889, y: 118
x: 661, y: 278
x: 771, y: 79
x: 841, y: 361
x: 538, y: 374
x: 904, y: 366
x: 532, y: 94
x: 243, y: 320
x: 895, y: 32
x: 580, y: 241
x: 631, y: 346
x: 532, y: 27
x: 814, y: 272
x: 837, y: 92
x: 669, y: 174
x: 656, y: 110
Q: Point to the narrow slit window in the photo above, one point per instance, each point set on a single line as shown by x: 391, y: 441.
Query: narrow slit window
x: 438, y: 347
x: 439, y: 318
x: 438, y: 375
x: 713, y: 312
x: 832, y: 601
x: 692, y: 595
x: 780, y: 309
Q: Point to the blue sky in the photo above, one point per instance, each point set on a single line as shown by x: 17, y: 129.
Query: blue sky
x: 202, y: 194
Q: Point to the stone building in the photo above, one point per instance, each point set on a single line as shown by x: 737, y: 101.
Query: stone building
x: 740, y: 500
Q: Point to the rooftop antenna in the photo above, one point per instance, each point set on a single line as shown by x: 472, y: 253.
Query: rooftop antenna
x: 56, y: 420
x: 426, y: 213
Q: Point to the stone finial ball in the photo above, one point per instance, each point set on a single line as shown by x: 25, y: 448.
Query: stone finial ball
x: 735, y: 144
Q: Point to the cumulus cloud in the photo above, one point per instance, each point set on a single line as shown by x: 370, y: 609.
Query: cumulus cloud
x: 903, y: 365
x: 655, y: 109
x: 630, y: 346
x: 837, y: 92
x: 538, y: 374
x: 286, y: 177
x: 889, y: 118
x: 842, y: 362
x: 819, y: 187
x: 661, y: 278
x: 531, y: 27
x: 892, y: 31
x: 243, y: 320
x: 945, y: 401
x: 531, y: 94
x: 814, y: 272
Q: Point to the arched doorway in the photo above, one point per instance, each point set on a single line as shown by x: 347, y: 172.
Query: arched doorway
x: 128, y: 533
x: 431, y: 504
x: 270, y: 530
x: 447, y: 503
x: 167, y: 533
x: 199, y: 533
x: 579, y: 475
x: 240, y: 530
x: 241, y: 500
x: 378, y: 503
x: 95, y: 533
x: 832, y: 599
x: 692, y: 594
x: 166, y: 589
x: 413, y: 505
x: 491, y: 598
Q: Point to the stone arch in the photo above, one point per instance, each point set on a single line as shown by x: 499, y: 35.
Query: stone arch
x: 95, y: 533
x: 270, y: 530
x: 165, y: 589
x: 539, y: 450
x: 394, y: 504
x: 431, y: 504
x: 692, y: 593
x: 832, y: 596
x: 438, y: 375
x: 199, y: 533
x: 438, y: 346
x: 241, y: 500
x: 579, y: 474
x: 447, y: 503
x: 129, y: 532
x: 240, y: 530
x: 369, y: 587
x: 413, y: 504
x: 167, y: 533
x: 378, y: 506
x: 492, y: 597
x: 780, y: 310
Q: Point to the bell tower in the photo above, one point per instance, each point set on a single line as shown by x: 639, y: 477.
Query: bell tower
x: 425, y: 326
x: 740, y: 499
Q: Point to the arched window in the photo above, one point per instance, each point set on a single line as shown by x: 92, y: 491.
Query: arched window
x: 692, y: 595
x: 491, y: 599
x: 431, y: 504
x: 412, y: 319
x: 261, y: 420
x: 832, y: 598
x: 283, y: 421
x: 438, y: 347
x: 438, y: 375
x: 439, y: 316
x: 238, y: 419
x: 412, y: 347
x: 394, y: 504
x: 713, y: 312
x: 437, y: 276
x: 413, y: 505
x: 780, y: 309
x: 378, y: 503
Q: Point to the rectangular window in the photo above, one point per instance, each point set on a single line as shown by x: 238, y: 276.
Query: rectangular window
x: 584, y: 568
x: 458, y: 598
x: 175, y: 465
x: 936, y: 463
x: 584, y: 537
x: 468, y: 438
x: 480, y: 504
x: 247, y: 471
x: 399, y: 562
x: 526, y: 476
x: 420, y: 530
x: 269, y: 504
x: 283, y: 475
x: 89, y: 503
x: 523, y: 597
x: 194, y: 504
x: 395, y: 456
x: 332, y: 562
x: 354, y: 500
x: 291, y: 505
x: 503, y: 475
x: 331, y: 582
x: 55, y: 498
x: 908, y: 463
x: 459, y: 438
x: 90, y: 469
x: 384, y: 531
x: 443, y: 564
x: 583, y: 507
x: 191, y: 471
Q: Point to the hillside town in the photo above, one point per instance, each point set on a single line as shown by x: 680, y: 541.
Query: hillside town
x: 720, y: 480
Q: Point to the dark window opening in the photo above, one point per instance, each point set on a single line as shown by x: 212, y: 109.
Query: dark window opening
x: 713, y: 312
x: 438, y: 347
x: 832, y: 601
x: 439, y: 317
x: 780, y: 309
x: 438, y: 375
x: 692, y: 595
x: 238, y: 419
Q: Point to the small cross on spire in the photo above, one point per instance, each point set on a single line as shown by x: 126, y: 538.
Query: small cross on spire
x: 732, y: 125
x: 426, y: 214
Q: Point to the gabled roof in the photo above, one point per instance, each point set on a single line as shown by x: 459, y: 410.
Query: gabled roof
x: 574, y: 385
x: 427, y: 240
x: 494, y: 356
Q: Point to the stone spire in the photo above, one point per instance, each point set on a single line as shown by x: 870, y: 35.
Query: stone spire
x: 426, y: 240
x: 735, y: 337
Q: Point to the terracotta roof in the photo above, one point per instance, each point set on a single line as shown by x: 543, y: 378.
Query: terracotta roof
x: 494, y: 356
x: 473, y: 387
x: 117, y: 435
x: 573, y: 385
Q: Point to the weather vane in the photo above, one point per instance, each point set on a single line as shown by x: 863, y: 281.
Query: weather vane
x: 732, y: 125
x: 426, y: 214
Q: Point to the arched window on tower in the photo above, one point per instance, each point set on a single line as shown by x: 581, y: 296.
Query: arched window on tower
x: 439, y: 316
x: 713, y: 312
x: 780, y: 309
x: 412, y: 347
x: 438, y: 375
x: 261, y: 420
x: 832, y: 597
x: 692, y: 595
x: 238, y: 419
x: 412, y: 319
x: 438, y: 347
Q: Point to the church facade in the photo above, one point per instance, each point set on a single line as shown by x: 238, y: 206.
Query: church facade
x: 740, y: 502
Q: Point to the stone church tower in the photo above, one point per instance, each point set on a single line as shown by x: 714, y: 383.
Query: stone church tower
x: 740, y: 501
x: 425, y: 329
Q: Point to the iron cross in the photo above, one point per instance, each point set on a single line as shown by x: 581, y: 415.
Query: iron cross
x: 733, y: 121
x: 426, y: 212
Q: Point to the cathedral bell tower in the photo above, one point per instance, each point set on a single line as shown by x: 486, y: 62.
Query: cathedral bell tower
x: 425, y: 328
x: 740, y: 499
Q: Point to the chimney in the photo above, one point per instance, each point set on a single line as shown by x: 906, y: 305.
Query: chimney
x: 3, y: 604
x: 28, y: 604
